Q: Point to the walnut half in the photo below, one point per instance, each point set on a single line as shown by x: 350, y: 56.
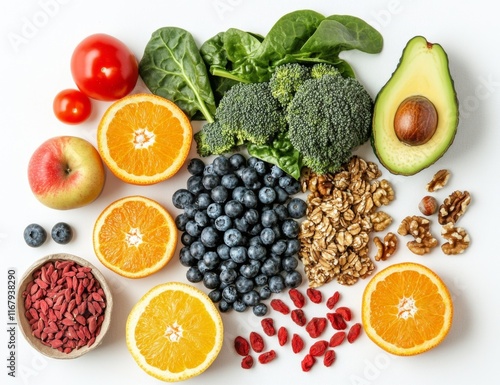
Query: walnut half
x: 419, y: 228
x: 387, y: 247
x: 457, y: 237
x: 453, y: 207
x: 439, y: 180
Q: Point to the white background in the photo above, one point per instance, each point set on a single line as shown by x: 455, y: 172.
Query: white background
x: 34, y: 70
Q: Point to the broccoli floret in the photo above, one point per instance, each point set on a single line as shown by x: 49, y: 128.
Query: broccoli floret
x: 328, y: 118
x: 286, y: 80
x: 211, y: 140
x: 321, y: 69
x: 249, y: 113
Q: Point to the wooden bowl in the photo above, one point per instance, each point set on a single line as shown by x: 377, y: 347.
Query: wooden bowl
x: 47, y: 319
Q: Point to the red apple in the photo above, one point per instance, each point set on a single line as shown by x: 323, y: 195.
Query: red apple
x: 66, y: 172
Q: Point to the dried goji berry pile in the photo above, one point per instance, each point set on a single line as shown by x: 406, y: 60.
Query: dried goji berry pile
x: 317, y: 338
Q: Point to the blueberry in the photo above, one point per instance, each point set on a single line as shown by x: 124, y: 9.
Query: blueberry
x: 224, y: 306
x: 269, y: 180
x: 256, y: 229
x: 281, y: 194
x: 255, y: 240
x: 267, y: 195
x: 243, y: 285
x: 203, y: 200
x: 201, y: 218
x: 252, y: 216
x: 186, y: 258
x: 35, y: 235
x: 230, y: 181
x: 191, y: 210
x: 239, y: 306
x: 214, y: 210
x: 257, y: 252
x: 260, y: 310
x: 292, y: 247
x: 293, y: 279
x: 290, y: 228
x: 233, y: 208
x: 268, y: 218
x: 241, y: 224
x: 289, y: 263
x: 211, y: 280
x: 260, y: 166
x: 209, y: 170
x: 249, y: 176
x: 193, y: 229
x: 180, y: 221
x: 296, y: 208
x: 251, y: 298
x: 197, y: 249
x: 267, y: 236
x: 270, y: 267
x: 279, y: 247
x: 230, y: 294
x: 202, y: 266
x: 261, y: 279
x: 228, y: 275
x: 249, y: 199
x: 238, y: 193
x: 228, y: 264
x: 210, y: 181
x: 249, y: 270
x: 238, y: 254
x: 276, y: 284
x: 196, y: 166
x: 223, y: 223
x: 187, y: 239
x: 195, y: 185
x: 221, y: 165
x: 209, y: 237
x: 281, y: 211
x: 233, y: 237
x: 223, y: 251
x: 293, y: 187
x: 265, y: 292
x: 211, y: 259
x: 277, y: 172
x: 237, y: 161
x: 219, y: 194
x: 215, y: 295
x: 194, y: 275
x: 181, y: 198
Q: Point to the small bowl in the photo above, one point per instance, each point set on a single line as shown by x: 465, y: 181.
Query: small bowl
x: 24, y: 322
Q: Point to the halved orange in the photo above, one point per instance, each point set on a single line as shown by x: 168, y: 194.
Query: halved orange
x: 135, y: 236
x: 174, y: 332
x: 144, y: 138
x: 407, y: 309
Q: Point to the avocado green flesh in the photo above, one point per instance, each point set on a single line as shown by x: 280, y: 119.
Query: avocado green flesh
x: 422, y: 70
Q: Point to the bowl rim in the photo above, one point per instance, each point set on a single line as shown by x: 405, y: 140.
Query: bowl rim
x: 24, y: 324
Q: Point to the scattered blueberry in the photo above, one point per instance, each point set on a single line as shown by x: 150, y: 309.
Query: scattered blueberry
x: 260, y: 309
x: 196, y: 166
x: 35, y: 235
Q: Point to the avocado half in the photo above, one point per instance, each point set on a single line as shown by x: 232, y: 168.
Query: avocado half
x: 422, y: 71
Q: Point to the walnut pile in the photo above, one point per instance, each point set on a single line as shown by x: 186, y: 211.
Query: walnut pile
x: 342, y: 212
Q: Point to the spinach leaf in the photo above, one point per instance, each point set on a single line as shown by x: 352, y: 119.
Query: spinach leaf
x: 173, y: 68
x: 342, y: 33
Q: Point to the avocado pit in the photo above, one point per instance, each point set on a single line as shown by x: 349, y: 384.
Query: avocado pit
x: 415, y: 121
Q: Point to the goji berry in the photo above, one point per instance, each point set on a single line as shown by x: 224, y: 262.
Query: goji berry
x: 241, y: 346
x: 307, y: 362
x: 297, y: 343
x: 329, y: 358
x: 337, y: 339
x: 318, y: 348
x: 282, y: 336
x: 354, y: 332
x: 314, y: 295
x: 332, y: 301
x: 336, y: 320
x: 316, y: 326
x: 299, y: 317
x: 267, y: 357
x: 280, y: 306
x: 345, y: 312
x: 268, y: 326
x: 256, y: 342
x: 247, y: 362
x: 297, y: 298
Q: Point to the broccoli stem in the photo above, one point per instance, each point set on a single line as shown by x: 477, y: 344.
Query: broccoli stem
x: 228, y: 75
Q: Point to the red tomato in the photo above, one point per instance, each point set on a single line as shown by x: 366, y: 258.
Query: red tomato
x: 104, y: 68
x: 72, y: 106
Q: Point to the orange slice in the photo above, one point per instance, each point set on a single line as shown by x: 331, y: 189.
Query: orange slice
x: 174, y: 332
x: 135, y: 237
x: 144, y: 138
x: 406, y: 309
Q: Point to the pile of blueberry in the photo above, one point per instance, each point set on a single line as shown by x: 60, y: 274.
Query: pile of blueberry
x: 239, y: 230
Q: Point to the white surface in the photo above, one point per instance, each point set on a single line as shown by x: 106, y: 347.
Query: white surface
x: 34, y: 71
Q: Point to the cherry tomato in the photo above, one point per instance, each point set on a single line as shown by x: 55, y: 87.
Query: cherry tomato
x: 104, y: 68
x: 72, y: 106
